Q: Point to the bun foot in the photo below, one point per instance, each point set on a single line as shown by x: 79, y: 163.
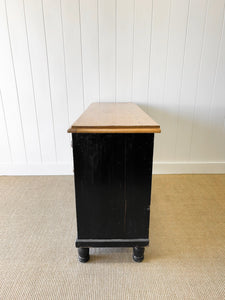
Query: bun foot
x: 138, y: 254
x: 83, y: 254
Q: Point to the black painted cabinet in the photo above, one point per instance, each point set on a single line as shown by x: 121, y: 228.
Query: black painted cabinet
x: 112, y: 173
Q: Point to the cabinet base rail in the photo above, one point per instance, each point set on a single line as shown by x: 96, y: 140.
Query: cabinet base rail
x: 100, y: 243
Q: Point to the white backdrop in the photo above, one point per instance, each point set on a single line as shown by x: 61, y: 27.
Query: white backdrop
x: 56, y: 57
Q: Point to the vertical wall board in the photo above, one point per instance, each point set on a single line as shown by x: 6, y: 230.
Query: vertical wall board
x: 124, y: 55
x: 58, y: 56
x: 8, y: 86
x: 55, y: 52
x: 158, y: 62
x: 39, y: 67
x: 107, y: 47
x: 217, y: 108
x: 5, y: 156
x: 200, y: 138
x: 73, y: 57
x: 173, y: 76
x: 141, y: 51
x: 189, y: 84
x: 21, y: 59
x: 90, y: 49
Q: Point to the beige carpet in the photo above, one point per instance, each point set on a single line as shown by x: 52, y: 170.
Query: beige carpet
x: 186, y: 259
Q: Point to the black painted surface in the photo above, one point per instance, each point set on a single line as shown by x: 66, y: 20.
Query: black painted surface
x: 83, y: 255
x: 138, y: 254
x: 113, y: 186
x: 138, y: 153
x: 101, y: 243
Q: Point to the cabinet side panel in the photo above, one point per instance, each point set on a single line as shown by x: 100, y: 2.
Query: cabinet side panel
x: 99, y: 185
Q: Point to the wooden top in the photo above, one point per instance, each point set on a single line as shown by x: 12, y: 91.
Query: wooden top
x: 114, y: 118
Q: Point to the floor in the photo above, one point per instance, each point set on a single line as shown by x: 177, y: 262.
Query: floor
x: 186, y: 258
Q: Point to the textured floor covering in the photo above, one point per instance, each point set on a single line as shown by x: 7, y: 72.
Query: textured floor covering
x: 186, y: 259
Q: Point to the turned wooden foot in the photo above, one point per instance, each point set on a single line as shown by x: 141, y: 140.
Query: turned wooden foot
x: 83, y: 254
x: 138, y: 254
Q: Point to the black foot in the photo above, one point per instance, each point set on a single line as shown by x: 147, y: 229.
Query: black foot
x: 138, y: 254
x: 83, y: 254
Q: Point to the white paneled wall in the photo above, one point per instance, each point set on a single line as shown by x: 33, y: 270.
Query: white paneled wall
x: 58, y: 56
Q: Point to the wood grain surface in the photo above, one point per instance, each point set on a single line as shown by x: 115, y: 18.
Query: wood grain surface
x: 115, y: 118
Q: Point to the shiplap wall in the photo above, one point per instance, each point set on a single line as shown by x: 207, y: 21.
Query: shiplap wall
x: 58, y: 56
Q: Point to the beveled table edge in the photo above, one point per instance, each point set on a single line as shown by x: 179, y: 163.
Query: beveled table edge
x: 111, y: 129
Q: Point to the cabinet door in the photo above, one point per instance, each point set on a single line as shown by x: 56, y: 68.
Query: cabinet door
x: 113, y: 185
x: 138, y: 173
